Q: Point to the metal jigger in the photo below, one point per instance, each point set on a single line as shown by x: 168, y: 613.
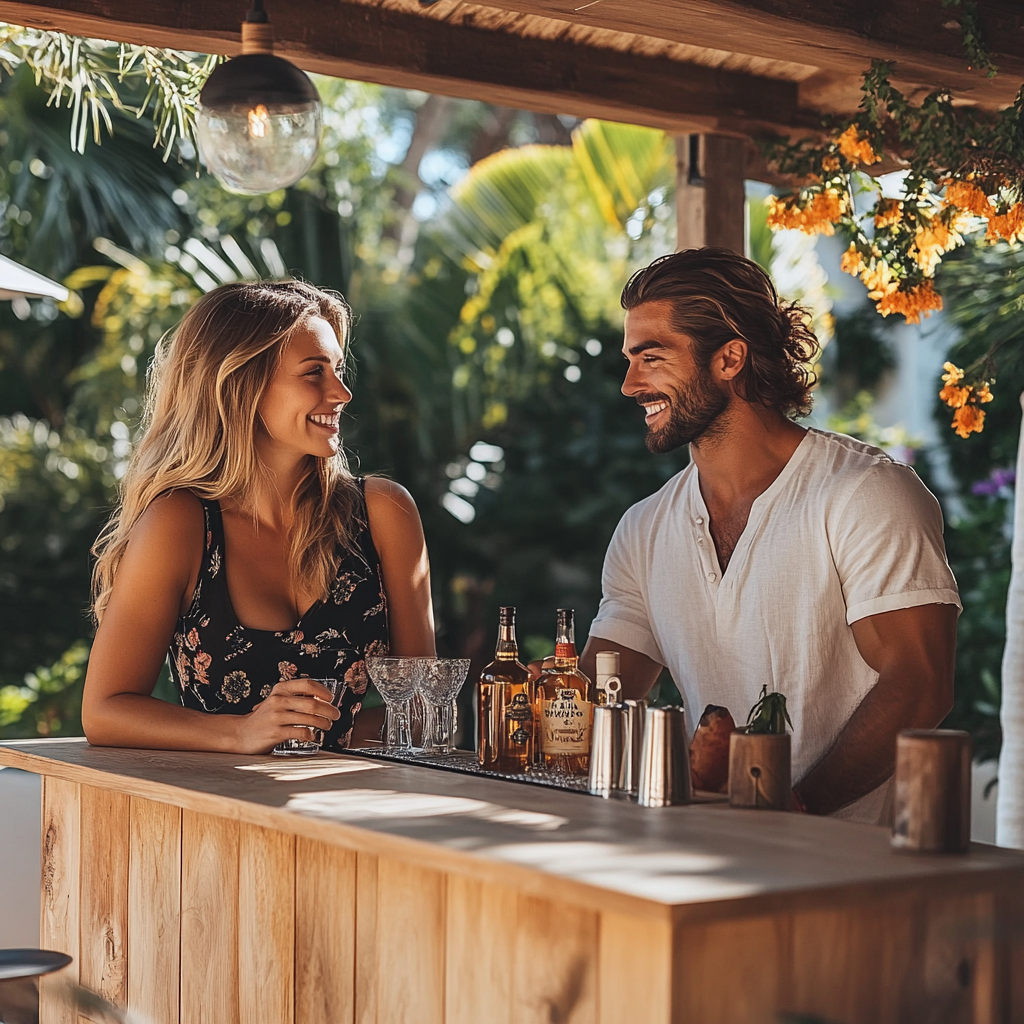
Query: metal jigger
x: 665, y: 760
x: 607, y: 749
x: 630, y: 778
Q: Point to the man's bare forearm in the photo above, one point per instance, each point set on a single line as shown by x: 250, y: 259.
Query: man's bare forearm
x: 864, y: 755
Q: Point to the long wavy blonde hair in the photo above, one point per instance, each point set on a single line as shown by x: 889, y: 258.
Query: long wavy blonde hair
x: 200, y: 423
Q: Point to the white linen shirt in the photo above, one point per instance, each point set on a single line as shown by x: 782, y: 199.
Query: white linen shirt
x: 842, y: 533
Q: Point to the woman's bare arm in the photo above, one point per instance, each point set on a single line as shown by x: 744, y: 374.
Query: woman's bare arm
x: 398, y: 537
x: 153, y: 586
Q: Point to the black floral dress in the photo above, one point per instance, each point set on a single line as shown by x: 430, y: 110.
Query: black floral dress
x: 223, y: 667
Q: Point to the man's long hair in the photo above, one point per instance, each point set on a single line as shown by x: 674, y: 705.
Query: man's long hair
x: 200, y: 423
x: 717, y: 296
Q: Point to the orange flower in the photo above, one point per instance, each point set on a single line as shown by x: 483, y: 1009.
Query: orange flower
x: 852, y: 262
x: 931, y: 240
x: 830, y: 163
x: 965, y: 195
x: 955, y: 397
x: 917, y: 301
x: 878, y: 278
x: 854, y: 148
x: 983, y: 394
x: 816, y: 217
x: 968, y: 420
x: 1009, y: 225
x: 888, y: 212
x: 953, y: 374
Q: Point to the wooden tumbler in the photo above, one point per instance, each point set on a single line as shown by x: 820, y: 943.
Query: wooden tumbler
x: 933, y: 791
x: 759, y: 770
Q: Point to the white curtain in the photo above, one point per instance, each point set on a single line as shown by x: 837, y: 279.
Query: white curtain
x: 1010, y: 803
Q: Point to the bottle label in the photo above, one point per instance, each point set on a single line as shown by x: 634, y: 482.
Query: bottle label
x: 519, y: 714
x: 565, y: 650
x: 566, y: 723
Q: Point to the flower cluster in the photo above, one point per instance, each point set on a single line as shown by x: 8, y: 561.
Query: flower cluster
x: 966, y: 399
x: 964, y: 168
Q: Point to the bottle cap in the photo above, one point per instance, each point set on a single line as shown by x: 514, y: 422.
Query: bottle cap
x: 607, y: 663
x: 507, y: 615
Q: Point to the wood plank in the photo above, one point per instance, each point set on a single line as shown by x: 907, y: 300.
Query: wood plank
x: 634, y: 970
x: 61, y: 894
x: 732, y: 971
x: 325, y: 933
x: 266, y: 926
x: 209, y: 919
x: 480, y: 953
x: 367, y: 971
x: 154, y: 911
x: 103, y: 963
x: 410, y: 47
x: 410, y: 943
x: 555, y: 973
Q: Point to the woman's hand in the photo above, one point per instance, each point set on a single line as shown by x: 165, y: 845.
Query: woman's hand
x: 293, y: 707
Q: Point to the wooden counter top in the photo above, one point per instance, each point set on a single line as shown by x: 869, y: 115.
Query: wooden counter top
x: 688, y: 863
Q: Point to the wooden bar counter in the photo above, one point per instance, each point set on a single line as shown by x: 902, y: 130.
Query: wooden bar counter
x: 214, y: 889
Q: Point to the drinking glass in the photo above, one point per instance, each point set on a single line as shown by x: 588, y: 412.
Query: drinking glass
x: 439, y: 684
x: 396, y: 680
x: 305, y: 748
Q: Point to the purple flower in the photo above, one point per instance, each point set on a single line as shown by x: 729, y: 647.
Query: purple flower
x: 998, y: 481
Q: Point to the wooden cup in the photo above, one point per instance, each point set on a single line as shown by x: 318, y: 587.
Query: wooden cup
x: 759, y: 770
x: 933, y: 791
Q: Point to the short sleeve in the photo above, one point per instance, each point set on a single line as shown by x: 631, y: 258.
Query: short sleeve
x: 622, y: 616
x: 888, y: 547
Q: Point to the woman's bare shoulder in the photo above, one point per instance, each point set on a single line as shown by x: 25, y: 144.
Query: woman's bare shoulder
x: 172, y: 522
x: 387, y: 499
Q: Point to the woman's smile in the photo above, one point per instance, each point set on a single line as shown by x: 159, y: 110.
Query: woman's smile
x: 330, y: 421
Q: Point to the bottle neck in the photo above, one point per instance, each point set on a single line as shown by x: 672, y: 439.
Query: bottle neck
x: 507, y: 649
x: 565, y: 640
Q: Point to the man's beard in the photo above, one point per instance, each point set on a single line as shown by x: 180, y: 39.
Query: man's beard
x: 692, y: 412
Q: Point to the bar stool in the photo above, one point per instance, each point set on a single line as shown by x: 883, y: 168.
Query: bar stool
x: 18, y: 1001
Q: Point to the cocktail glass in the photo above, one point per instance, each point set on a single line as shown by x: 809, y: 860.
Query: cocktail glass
x: 396, y: 680
x: 439, y: 684
x: 306, y: 748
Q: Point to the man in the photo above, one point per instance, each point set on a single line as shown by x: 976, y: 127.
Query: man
x: 785, y: 556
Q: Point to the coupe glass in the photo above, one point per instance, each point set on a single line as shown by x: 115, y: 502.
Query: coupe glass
x: 396, y: 680
x: 439, y: 684
x: 305, y: 748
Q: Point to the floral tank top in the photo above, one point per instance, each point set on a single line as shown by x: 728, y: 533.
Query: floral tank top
x: 223, y: 667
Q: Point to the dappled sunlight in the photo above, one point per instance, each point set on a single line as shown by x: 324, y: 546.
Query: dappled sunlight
x: 672, y: 876
x: 376, y: 804
x: 301, y: 771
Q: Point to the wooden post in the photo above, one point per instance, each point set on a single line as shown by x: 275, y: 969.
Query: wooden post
x: 710, y: 196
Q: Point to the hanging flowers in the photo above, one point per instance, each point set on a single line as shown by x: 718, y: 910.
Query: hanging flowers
x: 966, y: 399
x: 965, y: 172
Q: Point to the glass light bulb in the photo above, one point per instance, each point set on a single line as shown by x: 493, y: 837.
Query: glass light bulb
x: 258, y: 124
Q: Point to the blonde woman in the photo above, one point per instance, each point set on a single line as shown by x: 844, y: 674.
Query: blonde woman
x: 242, y: 544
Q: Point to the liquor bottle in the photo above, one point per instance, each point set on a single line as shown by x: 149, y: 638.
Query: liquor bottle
x: 505, y: 739
x: 565, y: 706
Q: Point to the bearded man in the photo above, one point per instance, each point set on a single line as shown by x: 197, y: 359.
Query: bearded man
x: 781, y: 555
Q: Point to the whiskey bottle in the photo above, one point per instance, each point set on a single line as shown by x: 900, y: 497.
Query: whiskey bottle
x: 505, y: 739
x: 565, y: 708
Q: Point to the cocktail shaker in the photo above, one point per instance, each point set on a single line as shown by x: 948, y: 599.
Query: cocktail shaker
x: 608, y: 748
x: 630, y: 777
x: 664, y: 761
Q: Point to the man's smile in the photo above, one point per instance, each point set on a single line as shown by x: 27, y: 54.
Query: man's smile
x: 653, y: 409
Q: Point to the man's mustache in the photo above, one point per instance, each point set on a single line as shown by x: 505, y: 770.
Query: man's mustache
x: 651, y: 396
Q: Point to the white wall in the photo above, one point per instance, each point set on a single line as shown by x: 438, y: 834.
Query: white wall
x: 19, y: 858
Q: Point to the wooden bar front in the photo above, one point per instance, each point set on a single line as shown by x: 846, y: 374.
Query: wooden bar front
x: 210, y: 889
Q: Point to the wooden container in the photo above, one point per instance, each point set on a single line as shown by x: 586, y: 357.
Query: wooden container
x: 933, y: 791
x: 759, y: 770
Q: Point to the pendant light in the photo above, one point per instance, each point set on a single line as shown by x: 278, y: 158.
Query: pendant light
x: 259, y: 116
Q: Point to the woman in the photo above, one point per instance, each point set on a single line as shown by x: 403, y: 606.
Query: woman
x: 242, y: 543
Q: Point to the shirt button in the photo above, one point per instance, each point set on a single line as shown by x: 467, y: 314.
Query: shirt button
x: 699, y: 520
x: 712, y: 577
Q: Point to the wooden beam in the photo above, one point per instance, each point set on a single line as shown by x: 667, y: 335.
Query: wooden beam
x: 710, y: 199
x: 409, y: 49
x: 838, y: 37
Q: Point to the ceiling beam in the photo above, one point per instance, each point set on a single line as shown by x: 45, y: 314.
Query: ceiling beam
x: 840, y: 37
x: 406, y: 48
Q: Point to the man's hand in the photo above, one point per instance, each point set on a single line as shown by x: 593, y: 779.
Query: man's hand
x: 913, y: 651
x: 637, y: 672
